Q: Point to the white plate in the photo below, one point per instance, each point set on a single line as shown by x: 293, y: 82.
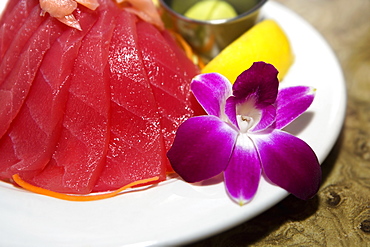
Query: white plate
x: 176, y: 212
x: 2, y: 5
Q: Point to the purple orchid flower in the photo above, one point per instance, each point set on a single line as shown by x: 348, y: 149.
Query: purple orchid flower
x: 242, y: 135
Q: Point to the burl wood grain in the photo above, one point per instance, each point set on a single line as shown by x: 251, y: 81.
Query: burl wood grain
x: 340, y: 213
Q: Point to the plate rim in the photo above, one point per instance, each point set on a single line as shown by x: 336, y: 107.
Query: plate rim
x: 280, y: 195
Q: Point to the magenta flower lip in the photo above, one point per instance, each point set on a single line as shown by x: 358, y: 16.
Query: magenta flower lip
x: 242, y: 135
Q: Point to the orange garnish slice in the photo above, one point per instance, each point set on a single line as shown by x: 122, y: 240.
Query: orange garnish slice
x: 25, y: 185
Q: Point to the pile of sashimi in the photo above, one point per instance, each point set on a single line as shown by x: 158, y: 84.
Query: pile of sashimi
x: 91, y: 94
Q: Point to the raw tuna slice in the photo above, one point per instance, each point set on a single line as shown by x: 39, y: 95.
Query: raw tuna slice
x: 14, y: 16
x: 122, y: 102
x: 12, y: 54
x: 168, y: 80
x: 82, y: 147
x: 7, y: 11
x: 136, y: 144
x: 33, y: 134
x: 15, y: 87
x: 189, y: 69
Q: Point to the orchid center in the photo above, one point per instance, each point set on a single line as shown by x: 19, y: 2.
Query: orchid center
x: 247, y: 116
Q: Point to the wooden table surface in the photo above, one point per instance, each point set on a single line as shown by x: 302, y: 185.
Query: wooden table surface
x: 339, y: 215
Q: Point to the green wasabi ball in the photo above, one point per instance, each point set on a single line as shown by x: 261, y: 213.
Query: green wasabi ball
x: 211, y: 10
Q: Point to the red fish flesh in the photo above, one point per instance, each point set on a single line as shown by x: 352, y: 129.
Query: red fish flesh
x: 92, y: 110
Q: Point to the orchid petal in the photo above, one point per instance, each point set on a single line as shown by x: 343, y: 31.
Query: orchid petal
x: 289, y: 163
x: 202, y: 148
x: 243, y: 173
x: 268, y: 116
x: 230, y: 110
x: 259, y: 82
x: 211, y: 90
x: 291, y: 103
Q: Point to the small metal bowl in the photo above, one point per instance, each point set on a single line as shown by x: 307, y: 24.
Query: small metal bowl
x: 208, y: 38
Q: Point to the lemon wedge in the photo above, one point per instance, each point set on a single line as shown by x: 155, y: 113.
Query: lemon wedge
x: 266, y: 42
